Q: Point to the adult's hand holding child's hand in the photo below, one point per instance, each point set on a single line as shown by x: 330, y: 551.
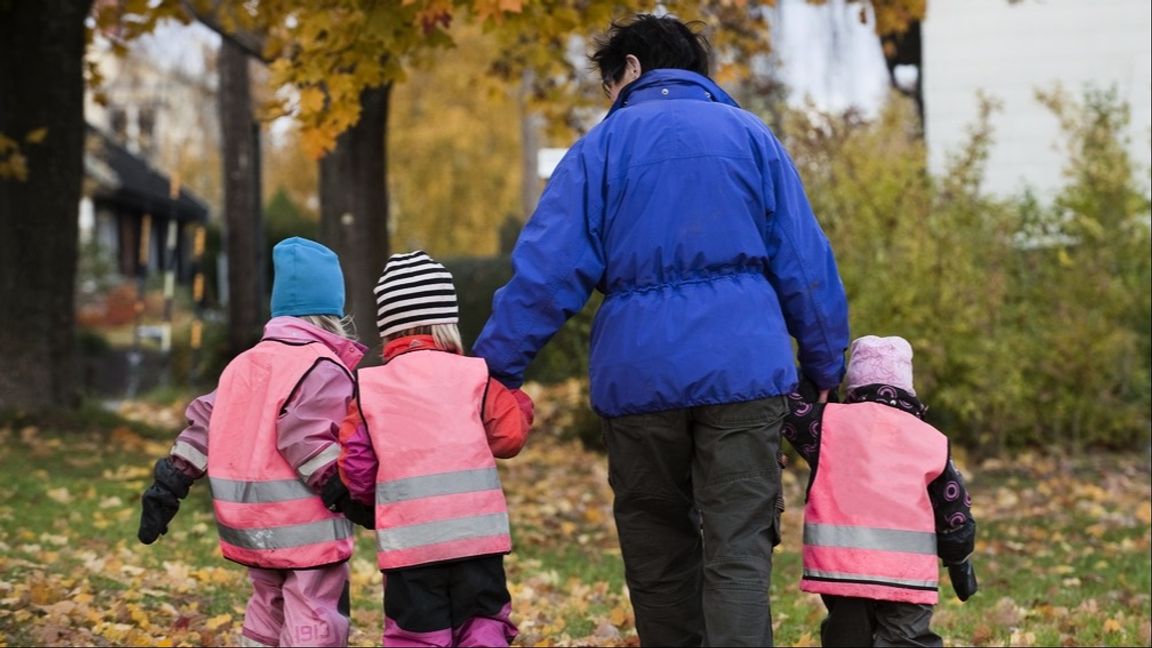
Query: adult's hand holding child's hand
x: 527, y: 407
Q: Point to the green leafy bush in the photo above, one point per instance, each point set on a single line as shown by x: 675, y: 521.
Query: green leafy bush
x: 1030, y: 322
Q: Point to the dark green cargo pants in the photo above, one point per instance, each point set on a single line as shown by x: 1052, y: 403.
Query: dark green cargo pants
x: 697, y: 510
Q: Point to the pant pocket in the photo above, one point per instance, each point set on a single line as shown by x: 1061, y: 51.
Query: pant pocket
x: 778, y: 511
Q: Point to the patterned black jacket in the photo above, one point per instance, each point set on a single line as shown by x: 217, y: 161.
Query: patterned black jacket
x: 951, y: 503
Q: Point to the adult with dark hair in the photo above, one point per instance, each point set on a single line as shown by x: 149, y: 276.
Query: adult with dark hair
x: 688, y: 215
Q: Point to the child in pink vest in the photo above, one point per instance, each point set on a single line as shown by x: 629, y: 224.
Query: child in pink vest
x: 267, y: 438
x: 884, y: 501
x: 419, y: 443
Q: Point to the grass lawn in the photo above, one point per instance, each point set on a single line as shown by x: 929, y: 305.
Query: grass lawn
x: 1062, y: 556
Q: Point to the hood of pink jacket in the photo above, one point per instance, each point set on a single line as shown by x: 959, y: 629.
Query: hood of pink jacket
x: 350, y: 352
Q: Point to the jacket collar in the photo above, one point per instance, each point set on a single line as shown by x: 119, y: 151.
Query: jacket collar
x: 294, y: 329
x: 888, y: 395
x: 670, y: 83
x: 408, y: 343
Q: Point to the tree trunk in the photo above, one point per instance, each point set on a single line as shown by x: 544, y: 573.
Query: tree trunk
x: 244, y: 241
x: 907, y: 48
x: 354, y: 206
x: 41, y: 86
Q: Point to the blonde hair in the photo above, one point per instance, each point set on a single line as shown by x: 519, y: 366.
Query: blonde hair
x: 345, y: 326
x: 446, y: 336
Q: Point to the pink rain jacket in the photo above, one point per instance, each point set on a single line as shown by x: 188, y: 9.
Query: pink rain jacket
x: 869, y: 529
x: 437, y: 492
x: 288, y: 393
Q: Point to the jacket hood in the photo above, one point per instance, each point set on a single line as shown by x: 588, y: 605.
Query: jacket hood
x: 671, y: 83
x: 295, y: 329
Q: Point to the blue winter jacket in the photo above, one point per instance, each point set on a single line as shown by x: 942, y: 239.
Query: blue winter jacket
x: 687, y: 214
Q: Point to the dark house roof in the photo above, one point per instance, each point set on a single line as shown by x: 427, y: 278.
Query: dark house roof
x: 126, y: 180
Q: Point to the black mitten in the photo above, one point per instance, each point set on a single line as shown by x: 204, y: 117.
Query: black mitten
x: 334, y: 494
x: 161, y: 501
x: 337, y: 499
x: 963, y: 576
x: 360, y: 514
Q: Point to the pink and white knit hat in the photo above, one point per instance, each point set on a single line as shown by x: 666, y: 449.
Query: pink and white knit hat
x: 880, y: 361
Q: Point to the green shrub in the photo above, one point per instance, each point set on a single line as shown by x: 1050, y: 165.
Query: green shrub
x: 1030, y: 322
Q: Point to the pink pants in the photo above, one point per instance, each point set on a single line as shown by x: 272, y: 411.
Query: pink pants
x: 298, y: 607
x: 491, y: 631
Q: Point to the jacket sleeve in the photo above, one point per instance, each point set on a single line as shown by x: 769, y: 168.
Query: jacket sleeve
x: 803, y: 272
x: 802, y: 428
x: 358, y: 461
x: 308, y: 427
x: 504, y: 423
x: 557, y: 262
x: 952, y: 506
x: 189, y: 453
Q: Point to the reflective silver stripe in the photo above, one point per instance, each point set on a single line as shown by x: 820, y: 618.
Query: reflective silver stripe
x: 189, y: 453
x: 830, y: 535
x: 295, y: 535
x: 879, y: 580
x: 419, y: 535
x: 449, y: 483
x: 259, y: 492
x: 323, y: 458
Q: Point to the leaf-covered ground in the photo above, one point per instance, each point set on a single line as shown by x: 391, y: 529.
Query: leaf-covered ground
x: 1063, y: 555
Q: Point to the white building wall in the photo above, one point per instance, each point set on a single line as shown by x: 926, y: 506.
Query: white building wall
x: 1011, y: 50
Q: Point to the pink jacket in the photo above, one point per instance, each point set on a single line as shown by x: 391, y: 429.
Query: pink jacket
x: 869, y: 528
x: 310, y: 422
x: 506, y: 428
x: 438, y: 494
x: 266, y: 514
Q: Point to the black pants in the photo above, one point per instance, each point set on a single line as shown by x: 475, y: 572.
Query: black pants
x: 854, y: 621
x: 696, y: 507
x: 448, y: 598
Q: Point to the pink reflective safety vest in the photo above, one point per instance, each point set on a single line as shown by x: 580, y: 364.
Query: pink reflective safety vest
x: 438, y: 495
x: 869, y: 530
x: 267, y: 517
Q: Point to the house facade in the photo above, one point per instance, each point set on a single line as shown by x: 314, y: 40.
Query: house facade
x: 1009, y: 50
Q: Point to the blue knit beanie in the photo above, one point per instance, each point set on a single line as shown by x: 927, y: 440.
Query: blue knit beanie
x: 307, y: 279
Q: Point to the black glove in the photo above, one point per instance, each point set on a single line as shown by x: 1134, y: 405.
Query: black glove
x: 963, y: 577
x: 162, y: 500
x: 360, y: 514
x: 337, y: 499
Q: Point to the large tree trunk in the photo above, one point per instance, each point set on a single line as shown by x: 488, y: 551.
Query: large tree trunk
x: 244, y: 241
x: 41, y: 86
x: 354, y: 206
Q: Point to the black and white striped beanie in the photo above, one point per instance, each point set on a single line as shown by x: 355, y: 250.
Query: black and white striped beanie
x: 414, y: 290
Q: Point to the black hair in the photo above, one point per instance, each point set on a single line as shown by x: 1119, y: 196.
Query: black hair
x: 656, y: 41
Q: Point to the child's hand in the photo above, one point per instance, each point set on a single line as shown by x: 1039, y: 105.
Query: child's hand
x: 963, y: 577
x: 360, y: 514
x: 161, y: 501
x: 527, y: 407
x: 159, y: 507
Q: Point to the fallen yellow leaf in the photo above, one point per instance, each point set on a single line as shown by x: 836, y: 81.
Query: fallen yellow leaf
x: 60, y: 495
